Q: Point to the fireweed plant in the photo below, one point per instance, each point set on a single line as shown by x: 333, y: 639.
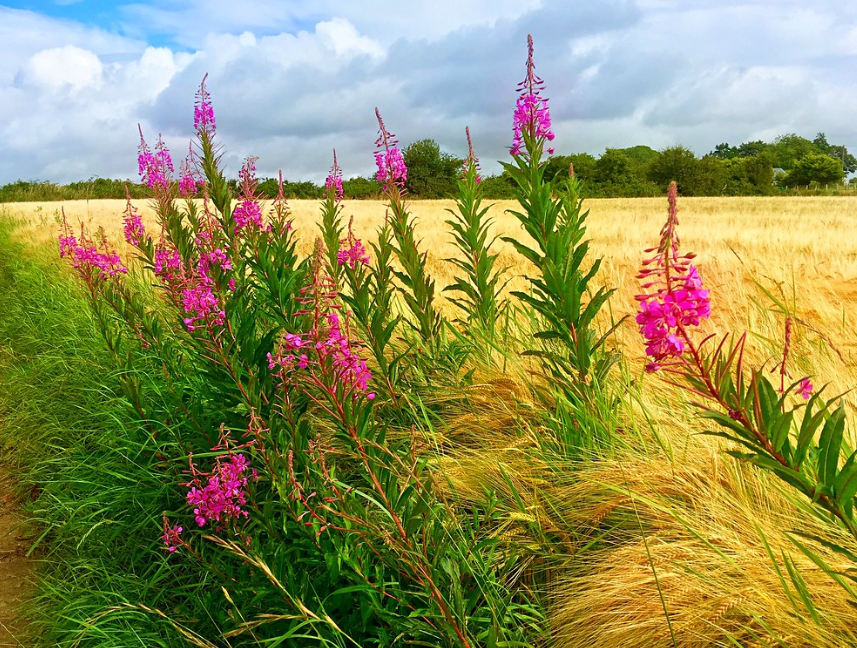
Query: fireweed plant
x: 299, y: 456
x: 563, y: 306
x: 479, y: 287
x: 787, y: 429
x: 418, y: 287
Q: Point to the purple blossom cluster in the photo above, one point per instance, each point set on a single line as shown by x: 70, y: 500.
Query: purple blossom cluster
x: 677, y: 300
x: 329, y: 341
x: 167, y: 263
x: 352, y: 255
x: 391, y: 165
x: 85, y: 255
x: 214, y: 257
x: 664, y: 316
x: 532, y: 116
x: 172, y: 536
x: 201, y: 304
x: 333, y: 183
x: 223, y: 496
x: 189, y: 182
x: 288, y: 356
x: 247, y: 214
x: 134, y: 230
x: 351, y: 251
x: 155, y: 167
x: 203, y: 113
x: 350, y: 368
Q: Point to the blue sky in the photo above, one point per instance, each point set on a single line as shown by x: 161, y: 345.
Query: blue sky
x: 292, y: 79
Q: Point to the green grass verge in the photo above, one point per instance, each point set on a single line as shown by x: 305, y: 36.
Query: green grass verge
x: 93, y: 480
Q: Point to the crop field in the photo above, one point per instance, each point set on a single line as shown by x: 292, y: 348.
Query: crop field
x: 803, y: 250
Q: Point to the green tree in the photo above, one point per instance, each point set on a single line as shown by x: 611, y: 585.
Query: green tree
x: 751, y: 149
x: 431, y: 172
x: 815, y: 168
x: 641, y: 156
x: 361, y: 188
x: 759, y: 170
x: 725, y: 152
x: 584, y: 165
x: 614, y: 168
x: 788, y: 149
x: 849, y: 162
x: 709, y: 177
x: 675, y: 163
x: 498, y: 187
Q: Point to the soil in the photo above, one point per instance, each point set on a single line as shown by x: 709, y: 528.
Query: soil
x: 15, y: 567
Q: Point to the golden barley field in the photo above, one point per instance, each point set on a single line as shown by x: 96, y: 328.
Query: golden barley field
x: 802, y: 250
x: 690, y: 520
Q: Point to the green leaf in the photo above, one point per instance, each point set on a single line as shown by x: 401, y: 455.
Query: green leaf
x: 845, y: 483
x: 829, y: 446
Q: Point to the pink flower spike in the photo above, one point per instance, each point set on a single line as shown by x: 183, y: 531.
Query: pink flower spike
x: 134, y: 231
x: 203, y: 113
x: 333, y: 184
x: 391, y: 165
x: 674, y: 301
x: 155, y: 168
x: 531, y: 116
x: 352, y: 251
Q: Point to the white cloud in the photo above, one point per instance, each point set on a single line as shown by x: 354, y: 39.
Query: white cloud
x: 65, y: 67
x: 344, y: 39
x: 292, y: 80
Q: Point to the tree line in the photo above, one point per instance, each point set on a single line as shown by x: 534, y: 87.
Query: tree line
x: 755, y: 168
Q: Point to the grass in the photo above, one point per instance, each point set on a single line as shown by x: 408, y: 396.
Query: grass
x: 663, y: 523
x: 66, y: 437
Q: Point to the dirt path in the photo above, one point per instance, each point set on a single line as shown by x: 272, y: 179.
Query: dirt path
x: 15, y: 567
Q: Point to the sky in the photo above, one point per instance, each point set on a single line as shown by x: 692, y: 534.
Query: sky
x: 293, y: 79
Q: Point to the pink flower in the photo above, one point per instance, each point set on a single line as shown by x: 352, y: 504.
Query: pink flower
x: 166, y: 262
x: 201, y: 305
x: 156, y: 168
x: 678, y: 300
x: 248, y: 214
x: 352, y: 255
x: 189, y: 181
x: 388, y: 158
x: 86, y: 256
x: 203, y: 113
x: 134, y: 231
x: 532, y: 116
x: 221, y: 499
x: 172, y: 536
x: 805, y: 388
x: 334, y: 180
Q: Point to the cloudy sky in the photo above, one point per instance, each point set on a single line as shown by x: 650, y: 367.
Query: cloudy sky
x: 292, y: 79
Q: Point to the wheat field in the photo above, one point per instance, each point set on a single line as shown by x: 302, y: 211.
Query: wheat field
x: 802, y: 250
